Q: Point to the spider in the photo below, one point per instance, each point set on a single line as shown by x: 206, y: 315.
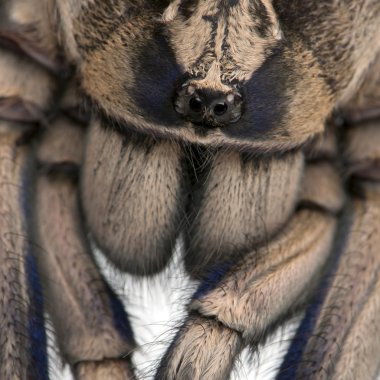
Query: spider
x: 246, y: 129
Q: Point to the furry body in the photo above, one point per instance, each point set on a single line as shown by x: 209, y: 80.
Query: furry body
x: 259, y: 199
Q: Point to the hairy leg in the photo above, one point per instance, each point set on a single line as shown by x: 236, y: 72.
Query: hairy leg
x: 22, y: 336
x: 25, y: 95
x: 339, y: 336
x: 92, y: 328
x: 345, y: 326
x: 89, y: 319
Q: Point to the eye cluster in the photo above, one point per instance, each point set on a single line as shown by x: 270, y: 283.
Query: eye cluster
x: 208, y: 107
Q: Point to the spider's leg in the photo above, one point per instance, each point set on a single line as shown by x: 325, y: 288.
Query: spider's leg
x: 25, y: 95
x: 25, y: 92
x: 92, y: 328
x: 340, y: 334
x: 133, y: 197
x: 22, y: 335
x: 339, y: 337
x: 202, y: 349
x: 247, y: 300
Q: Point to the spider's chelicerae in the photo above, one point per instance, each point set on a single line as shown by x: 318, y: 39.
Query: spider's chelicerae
x: 213, y: 122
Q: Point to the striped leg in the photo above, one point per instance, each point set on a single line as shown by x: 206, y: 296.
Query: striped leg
x: 339, y: 337
x: 343, y: 331
x: 22, y: 334
x: 25, y: 94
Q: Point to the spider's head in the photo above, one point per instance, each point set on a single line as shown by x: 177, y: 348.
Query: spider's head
x: 215, y: 72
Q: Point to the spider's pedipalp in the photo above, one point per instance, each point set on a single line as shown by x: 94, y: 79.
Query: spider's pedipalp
x: 133, y: 197
x: 93, y: 331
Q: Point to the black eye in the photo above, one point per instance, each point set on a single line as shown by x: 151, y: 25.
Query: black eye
x: 195, y: 104
x: 220, y: 109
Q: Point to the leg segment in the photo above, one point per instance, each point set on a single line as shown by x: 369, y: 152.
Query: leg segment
x: 202, y: 349
x: 22, y: 335
x: 25, y: 30
x: 25, y: 94
x: 339, y: 336
x: 92, y: 327
x: 271, y: 282
x: 335, y: 349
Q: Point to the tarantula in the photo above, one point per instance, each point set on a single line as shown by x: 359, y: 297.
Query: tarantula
x: 248, y: 129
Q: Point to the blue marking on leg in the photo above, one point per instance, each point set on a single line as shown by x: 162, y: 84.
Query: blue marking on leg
x: 292, y: 358
x: 215, y: 276
x: 38, y: 366
x: 289, y: 366
x: 36, y: 327
x: 120, y: 317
